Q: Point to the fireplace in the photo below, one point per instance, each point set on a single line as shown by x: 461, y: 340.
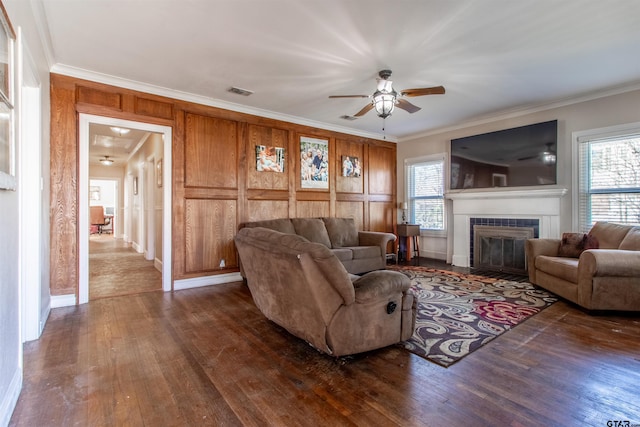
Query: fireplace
x: 537, y: 208
x: 500, y: 248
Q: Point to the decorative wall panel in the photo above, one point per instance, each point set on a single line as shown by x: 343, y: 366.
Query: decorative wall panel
x: 382, y: 166
x: 353, y: 210
x: 211, y: 152
x: 209, y: 229
x: 354, y: 182
x: 267, y: 209
x: 311, y: 209
x: 152, y: 108
x: 216, y: 185
x: 269, y: 138
x: 87, y: 95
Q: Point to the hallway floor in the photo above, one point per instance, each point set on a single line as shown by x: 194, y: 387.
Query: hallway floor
x: 116, y: 269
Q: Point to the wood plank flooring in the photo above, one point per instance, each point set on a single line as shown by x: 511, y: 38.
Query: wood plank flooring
x: 115, y: 269
x: 207, y: 357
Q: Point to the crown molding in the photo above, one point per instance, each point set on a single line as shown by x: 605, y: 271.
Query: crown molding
x: 525, y: 110
x: 203, y: 100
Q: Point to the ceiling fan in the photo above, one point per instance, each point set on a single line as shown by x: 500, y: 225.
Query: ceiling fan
x: 548, y: 156
x: 385, y: 98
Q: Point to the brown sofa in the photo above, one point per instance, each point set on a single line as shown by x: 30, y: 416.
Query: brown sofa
x: 598, y: 271
x: 358, y: 251
x: 303, y: 287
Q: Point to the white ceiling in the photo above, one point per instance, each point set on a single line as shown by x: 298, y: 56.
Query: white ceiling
x: 492, y: 56
x: 117, y: 145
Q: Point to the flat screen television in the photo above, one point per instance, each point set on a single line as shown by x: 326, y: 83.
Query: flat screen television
x: 517, y: 157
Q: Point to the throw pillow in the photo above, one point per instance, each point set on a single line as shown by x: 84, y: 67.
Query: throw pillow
x: 591, y: 242
x: 573, y: 244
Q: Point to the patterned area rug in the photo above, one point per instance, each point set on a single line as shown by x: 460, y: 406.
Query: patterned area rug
x: 459, y: 313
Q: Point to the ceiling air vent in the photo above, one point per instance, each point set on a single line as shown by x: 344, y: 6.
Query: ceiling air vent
x: 350, y: 118
x: 239, y: 91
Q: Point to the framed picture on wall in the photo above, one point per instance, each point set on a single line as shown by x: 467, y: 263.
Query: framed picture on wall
x: 314, y: 163
x: 351, y: 167
x: 269, y: 159
x: 7, y: 142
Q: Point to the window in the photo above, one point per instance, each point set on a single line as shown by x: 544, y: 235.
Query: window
x: 425, y: 192
x: 608, y: 179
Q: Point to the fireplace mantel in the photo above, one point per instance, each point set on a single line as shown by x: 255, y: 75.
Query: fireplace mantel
x: 542, y: 204
x: 508, y: 194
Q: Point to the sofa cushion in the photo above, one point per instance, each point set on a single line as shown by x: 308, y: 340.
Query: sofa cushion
x: 573, y: 244
x: 312, y: 229
x: 562, y: 267
x: 362, y: 252
x: 342, y: 232
x: 343, y: 254
x: 631, y: 241
x: 609, y: 235
x: 282, y: 225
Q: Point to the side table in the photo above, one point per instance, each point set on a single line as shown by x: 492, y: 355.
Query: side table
x: 408, y: 241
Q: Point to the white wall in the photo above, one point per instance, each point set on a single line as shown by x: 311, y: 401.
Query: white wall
x: 589, y: 114
x: 22, y: 19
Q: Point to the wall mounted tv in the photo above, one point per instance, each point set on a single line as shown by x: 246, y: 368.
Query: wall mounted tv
x: 517, y: 157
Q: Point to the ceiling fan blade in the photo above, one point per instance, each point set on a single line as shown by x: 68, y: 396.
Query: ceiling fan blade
x: 528, y: 157
x: 407, y: 106
x: 364, y: 111
x: 436, y: 90
x: 349, y: 96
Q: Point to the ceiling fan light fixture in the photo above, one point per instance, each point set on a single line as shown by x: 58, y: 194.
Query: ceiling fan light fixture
x: 384, y: 103
x: 548, y: 158
x: 120, y: 131
x: 106, y: 161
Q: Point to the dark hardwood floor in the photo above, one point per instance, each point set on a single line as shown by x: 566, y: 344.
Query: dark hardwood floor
x: 207, y: 356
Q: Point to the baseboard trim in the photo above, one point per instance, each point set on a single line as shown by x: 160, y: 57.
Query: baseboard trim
x: 198, y: 282
x: 157, y: 264
x: 441, y: 256
x: 63, y: 300
x: 10, y: 399
x: 44, y: 317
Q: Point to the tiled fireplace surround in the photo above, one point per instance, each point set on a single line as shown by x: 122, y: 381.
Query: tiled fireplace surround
x: 537, y: 208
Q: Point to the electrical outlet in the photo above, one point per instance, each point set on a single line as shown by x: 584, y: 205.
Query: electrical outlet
x: 222, y: 263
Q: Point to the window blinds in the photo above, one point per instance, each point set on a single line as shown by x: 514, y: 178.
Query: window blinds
x: 426, y: 194
x: 609, y: 179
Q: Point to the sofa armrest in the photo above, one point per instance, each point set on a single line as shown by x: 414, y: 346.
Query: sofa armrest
x: 376, y: 238
x: 536, y: 247
x: 548, y: 247
x: 609, y: 262
x: 381, y: 284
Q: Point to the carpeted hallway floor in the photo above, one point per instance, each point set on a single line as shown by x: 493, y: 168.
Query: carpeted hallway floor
x: 117, y: 269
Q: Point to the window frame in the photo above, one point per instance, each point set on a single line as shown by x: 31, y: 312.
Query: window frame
x: 409, y: 163
x: 581, y: 137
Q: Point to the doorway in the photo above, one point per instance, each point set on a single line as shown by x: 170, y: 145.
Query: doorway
x: 132, y: 193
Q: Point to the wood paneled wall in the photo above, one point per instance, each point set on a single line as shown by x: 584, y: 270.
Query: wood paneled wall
x: 216, y: 186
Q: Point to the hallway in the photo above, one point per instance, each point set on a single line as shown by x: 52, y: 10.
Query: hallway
x: 116, y: 269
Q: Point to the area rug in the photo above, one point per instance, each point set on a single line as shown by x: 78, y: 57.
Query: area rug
x: 459, y: 313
